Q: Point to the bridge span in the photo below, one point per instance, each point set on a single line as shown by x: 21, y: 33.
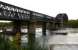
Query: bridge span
x: 32, y: 19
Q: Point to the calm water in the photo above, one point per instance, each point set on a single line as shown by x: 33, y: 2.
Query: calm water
x: 64, y: 42
x: 56, y: 41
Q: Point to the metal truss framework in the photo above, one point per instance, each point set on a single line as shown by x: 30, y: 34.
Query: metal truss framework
x: 11, y: 12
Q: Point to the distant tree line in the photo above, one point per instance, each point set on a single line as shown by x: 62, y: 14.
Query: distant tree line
x: 72, y: 23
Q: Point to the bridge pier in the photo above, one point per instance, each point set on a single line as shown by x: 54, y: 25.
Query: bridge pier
x: 51, y: 26
x: 44, y: 26
x: 31, y: 35
x: 17, y: 31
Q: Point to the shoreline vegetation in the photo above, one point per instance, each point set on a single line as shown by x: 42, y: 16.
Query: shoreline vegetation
x: 5, y: 44
x: 72, y: 23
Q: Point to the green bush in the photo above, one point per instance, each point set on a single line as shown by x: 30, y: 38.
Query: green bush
x: 8, y: 45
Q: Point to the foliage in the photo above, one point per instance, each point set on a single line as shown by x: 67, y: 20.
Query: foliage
x: 73, y: 23
x: 3, y: 43
x: 8, y: 45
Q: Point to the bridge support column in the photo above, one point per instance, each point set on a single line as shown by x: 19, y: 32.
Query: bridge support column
x: 44, y: 29
x: 31, y: 35
x: 51, y: 26
x: 17, y: 31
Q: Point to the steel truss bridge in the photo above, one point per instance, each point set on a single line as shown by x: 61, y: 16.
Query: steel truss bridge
x: 32, y: 19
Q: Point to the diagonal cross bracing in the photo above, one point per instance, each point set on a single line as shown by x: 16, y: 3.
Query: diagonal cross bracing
x: 11, y: 12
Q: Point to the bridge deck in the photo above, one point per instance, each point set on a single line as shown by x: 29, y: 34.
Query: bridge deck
x: 11, y: 12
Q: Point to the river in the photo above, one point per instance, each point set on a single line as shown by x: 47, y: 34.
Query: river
x: 68, y: 41
x: 64, y: 39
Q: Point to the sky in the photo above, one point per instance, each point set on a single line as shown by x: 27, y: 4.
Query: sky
x: 49, y: 7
